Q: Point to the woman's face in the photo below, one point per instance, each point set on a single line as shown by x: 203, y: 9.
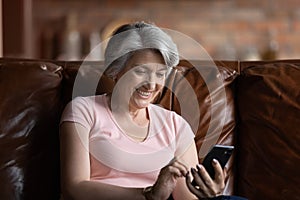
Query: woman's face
x: 142, y: 78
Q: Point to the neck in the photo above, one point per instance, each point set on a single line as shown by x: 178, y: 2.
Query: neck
x: 125, y: 117
x: 140, y: 116
x: 137, y: 115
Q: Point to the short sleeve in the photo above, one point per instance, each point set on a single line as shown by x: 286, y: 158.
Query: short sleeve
x: 79, y: 111
x: 184, y: 135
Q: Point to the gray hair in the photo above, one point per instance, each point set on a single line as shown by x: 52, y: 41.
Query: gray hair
x: 138, y: 36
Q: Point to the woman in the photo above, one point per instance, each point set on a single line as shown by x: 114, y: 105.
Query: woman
x: 120, y: 145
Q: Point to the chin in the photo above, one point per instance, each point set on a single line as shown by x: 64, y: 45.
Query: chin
x: 142, y: 105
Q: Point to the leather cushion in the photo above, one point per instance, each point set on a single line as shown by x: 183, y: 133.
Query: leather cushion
x: 30, y: 109
x: 269, y: 136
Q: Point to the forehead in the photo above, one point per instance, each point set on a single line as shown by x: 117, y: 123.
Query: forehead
x: 146, y: 58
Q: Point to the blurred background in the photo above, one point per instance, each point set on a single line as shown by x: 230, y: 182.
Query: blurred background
x: 227, y: 29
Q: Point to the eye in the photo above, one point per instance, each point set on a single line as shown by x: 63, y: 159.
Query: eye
x: 160, y: 75
x: 140, y: 71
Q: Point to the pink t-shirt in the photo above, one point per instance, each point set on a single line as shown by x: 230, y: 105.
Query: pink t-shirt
x: 116, y: 158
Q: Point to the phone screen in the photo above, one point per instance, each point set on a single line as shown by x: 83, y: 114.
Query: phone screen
x: 221, y: 153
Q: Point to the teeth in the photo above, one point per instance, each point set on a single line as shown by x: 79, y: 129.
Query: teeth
x: 143, y: 93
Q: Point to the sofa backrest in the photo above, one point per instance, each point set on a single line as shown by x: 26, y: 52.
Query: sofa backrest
x: 253, y: 105
x: 268, y: 102
x: 35, y: 92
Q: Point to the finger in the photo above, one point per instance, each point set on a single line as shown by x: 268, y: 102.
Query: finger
x: 183, y: 169
x: 199, y: 182
x: 176, y: 163
x: 175, y: 171
x: 191, y: 187
x: 206, y: 179
x: 183, y: 165
x: 219, y: 173
x: 175, y: 160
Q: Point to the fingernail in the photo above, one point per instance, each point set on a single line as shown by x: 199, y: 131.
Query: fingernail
x: 215, y: 161
x: 193, y: 170
x: 187, y: 174
x: 199, y: 167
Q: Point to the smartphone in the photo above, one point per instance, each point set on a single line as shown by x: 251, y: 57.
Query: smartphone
x: 221, y: 153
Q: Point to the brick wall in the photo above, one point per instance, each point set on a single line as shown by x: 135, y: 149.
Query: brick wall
x: 227, y: 29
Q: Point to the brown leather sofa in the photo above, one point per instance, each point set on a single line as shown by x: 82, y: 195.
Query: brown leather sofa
x: 254, y: 106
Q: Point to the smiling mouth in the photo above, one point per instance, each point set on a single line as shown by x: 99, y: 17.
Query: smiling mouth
x: 143, y: 94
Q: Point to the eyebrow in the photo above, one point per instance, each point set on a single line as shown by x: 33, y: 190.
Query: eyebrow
x: 145, y: 66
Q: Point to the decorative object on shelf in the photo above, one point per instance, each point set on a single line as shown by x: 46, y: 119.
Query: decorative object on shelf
x: 95, y: 48
x: 71, y: 39
x: 271, y: 50
x: 249, y: 53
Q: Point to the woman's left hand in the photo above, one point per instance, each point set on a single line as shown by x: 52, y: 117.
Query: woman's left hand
x: 205, y: 186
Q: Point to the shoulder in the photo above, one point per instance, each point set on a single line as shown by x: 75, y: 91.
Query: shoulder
x: 88, y: 100
x: 84, y: 105
x: 83, y: 110
x: 166, y: 114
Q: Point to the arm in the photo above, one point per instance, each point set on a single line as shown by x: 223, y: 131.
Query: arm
x: 190, y: 159
x: 209, y: 187
x: 75, y: 169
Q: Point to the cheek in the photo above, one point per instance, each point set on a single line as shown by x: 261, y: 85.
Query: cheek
x: 161, y: 83
x: 130, y: 80
x: 159, y: 86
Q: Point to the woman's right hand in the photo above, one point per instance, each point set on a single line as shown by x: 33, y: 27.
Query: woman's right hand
x: 166, y: 181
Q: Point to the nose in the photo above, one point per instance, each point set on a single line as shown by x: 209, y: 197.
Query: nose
x: 151, y: 82
x: 150, y: 85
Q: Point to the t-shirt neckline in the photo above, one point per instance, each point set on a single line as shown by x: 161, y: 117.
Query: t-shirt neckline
x: 104, y: 99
